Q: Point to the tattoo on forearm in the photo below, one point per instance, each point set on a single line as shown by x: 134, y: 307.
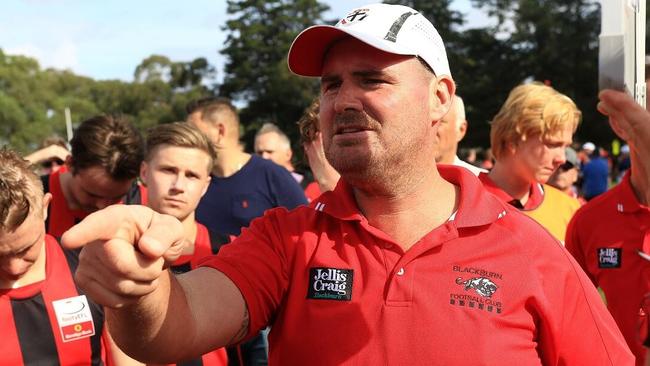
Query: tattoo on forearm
x: 243, y: 329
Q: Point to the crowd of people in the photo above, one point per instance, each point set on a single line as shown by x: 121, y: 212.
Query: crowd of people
x: 178, y: 247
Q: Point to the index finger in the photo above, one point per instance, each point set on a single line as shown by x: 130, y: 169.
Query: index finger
x: 114, y: 222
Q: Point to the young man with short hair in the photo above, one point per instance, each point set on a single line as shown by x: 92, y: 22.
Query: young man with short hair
x: 176, y: 174
x: 106, y: 156
x: 45, y: 318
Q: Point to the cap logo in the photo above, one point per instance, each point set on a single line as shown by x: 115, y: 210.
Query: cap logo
x: 397, y: 26
x: 356, y: 15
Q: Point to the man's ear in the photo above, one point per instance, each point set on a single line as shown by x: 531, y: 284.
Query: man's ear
x: 47, y: 198
x: 143, y: 173
x: 207, y: 185
x: 289, y: 154
x: 442, y: 89
x: 462, y: 130
x: 222, y: 131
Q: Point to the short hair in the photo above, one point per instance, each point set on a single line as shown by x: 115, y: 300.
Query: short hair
x: 110, y: 142
x: 179, y: 134
x: 209, y: 107
x: 273, y: 128
x: 53, y: 140
x: 21, y: 190
x: 532, y: 110
x: 308, y: 123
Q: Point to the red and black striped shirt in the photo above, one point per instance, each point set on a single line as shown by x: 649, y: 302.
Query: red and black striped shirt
x: 31, y: 333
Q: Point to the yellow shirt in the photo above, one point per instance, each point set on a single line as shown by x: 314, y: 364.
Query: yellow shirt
x: 555, y: 211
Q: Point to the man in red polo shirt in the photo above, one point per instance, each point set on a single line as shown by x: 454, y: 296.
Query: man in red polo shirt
x: 610, y: 235
x: 528, y: 138
x: 402, y: 264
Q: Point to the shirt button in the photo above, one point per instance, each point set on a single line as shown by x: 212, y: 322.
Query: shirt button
x: 400, y: 272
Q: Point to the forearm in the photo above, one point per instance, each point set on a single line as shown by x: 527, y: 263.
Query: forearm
x: 158, y: 328
x: 184, y: 317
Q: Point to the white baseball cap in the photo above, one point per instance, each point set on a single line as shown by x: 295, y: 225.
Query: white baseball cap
x: 395, y: 29
x: 589, y: 146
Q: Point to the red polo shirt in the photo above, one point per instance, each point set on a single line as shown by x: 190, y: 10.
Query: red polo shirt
x: 605, y: 237
x: 488, y: 287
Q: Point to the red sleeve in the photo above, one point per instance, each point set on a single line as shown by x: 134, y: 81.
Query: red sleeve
x: 257, y: 263
x: 575, y: 327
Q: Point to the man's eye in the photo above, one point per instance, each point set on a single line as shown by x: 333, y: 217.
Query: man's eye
x: 331, y: 86
x: 554, y: 145
x: 374, y: 81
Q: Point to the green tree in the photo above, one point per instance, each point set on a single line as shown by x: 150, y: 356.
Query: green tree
x: 181, y: 76
x: 260, y: 33
x: 556, y: 41
x: 32, y: 100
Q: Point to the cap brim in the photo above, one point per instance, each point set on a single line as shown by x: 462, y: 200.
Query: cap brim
x: 308, y: 49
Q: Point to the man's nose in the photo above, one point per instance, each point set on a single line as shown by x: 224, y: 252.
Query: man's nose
x: 347, y: 98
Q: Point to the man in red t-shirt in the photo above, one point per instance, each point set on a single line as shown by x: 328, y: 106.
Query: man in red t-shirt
x: 404, y: 263
x: 176, y: 174
x: 610, y: 235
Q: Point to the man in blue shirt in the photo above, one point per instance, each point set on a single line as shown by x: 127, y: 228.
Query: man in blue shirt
x: 243, y: 186
x: 595, y: 175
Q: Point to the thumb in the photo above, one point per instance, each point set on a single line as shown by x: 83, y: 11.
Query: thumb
x: 164, y: 237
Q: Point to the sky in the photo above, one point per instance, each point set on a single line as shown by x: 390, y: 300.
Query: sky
x: 108, y: 39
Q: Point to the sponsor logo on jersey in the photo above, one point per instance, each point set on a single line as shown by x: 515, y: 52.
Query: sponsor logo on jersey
x: 74, y: 318
x: 478, y: 289
x: 610, y: 257
x: 330, y: 284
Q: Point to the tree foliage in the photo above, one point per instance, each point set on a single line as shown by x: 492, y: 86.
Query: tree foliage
x: 556, y: 42
x: 33, y: 100
x: 260, y: 33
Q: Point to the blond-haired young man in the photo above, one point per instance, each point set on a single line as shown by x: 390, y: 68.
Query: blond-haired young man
x: 528, y: 139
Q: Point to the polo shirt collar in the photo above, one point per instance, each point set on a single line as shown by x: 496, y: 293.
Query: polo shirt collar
x: 476, y: 207
x: 627, y: 201
x: 535, y: 193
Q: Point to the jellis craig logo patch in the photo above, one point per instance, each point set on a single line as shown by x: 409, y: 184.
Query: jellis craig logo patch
x: 330, y: 284
x: 609, y: 257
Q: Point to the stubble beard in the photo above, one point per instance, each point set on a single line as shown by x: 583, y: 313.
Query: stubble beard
x: 376, y: 170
